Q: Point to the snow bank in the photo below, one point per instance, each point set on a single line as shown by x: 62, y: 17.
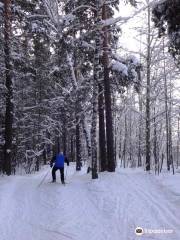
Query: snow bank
x: 171, y: 182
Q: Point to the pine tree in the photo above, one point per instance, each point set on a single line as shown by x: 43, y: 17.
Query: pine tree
x: 166, y: 16
x: 9, y: 87
x: 108, y: 98
x: 2, y: 85
x: 97, y: 69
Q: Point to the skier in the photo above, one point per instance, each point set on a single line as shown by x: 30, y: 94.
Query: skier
x: 57, y: 163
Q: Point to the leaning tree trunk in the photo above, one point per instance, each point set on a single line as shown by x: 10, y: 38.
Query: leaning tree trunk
x: 108, y: 100
x: 9, y: 90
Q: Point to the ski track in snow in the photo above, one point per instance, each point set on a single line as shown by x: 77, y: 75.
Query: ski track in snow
x: 109, y: 208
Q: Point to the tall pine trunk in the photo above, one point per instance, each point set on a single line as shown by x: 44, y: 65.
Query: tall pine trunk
x: 102, y: 134
x: 78, y: 109
x: 108, y: 99
x: 94, y: 128
x: 9, y: 90
x: 97, y: 69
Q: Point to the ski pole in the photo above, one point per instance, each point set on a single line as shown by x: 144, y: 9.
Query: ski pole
x: 66, y: 173
x: 43, y: 179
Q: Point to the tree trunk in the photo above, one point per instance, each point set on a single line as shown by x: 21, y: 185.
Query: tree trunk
x: 140, y: 133
x: 97, y: 69
x: 155, y: 143
x: 162, y: 160
x: 94, y: 130
x: 78, y: 145
x: 64, y: 136
x: 108, y: 100
x: 44, y: 157
x: 170, y: 130
x: 87, y: 138
x: 115, y: 128
x: 9, y: 90
x: 178, y: 143
x: 102, y: 134
x: 125, y: 142
x: 167, y: 114
x: 148, y: 144
x: 72, y: 149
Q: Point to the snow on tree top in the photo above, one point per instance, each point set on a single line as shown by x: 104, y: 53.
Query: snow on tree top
x: 119, y: 67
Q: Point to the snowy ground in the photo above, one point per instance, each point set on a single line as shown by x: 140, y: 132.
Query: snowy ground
x: 109, y: 208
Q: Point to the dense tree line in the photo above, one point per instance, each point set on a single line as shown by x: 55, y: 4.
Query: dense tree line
x: 65, y: 85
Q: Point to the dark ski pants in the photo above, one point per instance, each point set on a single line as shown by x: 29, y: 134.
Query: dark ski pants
x: 54, y: 173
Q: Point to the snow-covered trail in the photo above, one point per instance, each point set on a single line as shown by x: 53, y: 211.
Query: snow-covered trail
x: 109, y: 208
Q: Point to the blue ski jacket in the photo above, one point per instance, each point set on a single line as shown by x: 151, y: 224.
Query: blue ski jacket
x: 59, y: 160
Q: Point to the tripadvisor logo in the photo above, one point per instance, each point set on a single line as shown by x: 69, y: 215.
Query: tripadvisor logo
x: 139, y: 231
